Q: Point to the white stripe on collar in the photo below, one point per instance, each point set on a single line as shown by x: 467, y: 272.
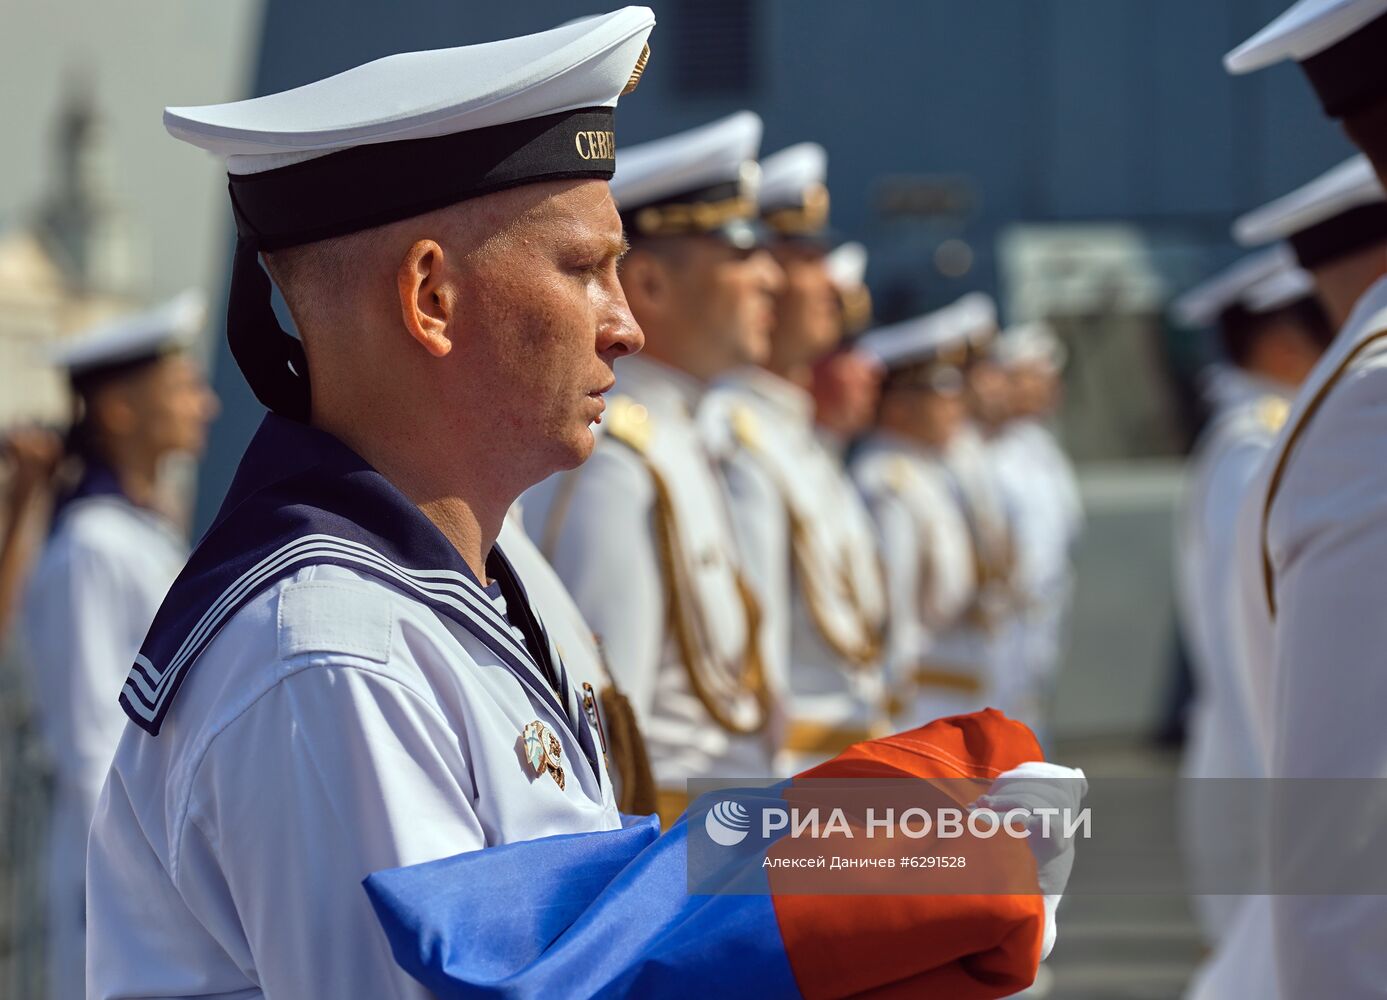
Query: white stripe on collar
x: 444, y: 586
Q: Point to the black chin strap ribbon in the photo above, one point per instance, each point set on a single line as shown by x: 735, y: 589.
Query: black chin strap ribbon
x: 272, y: 361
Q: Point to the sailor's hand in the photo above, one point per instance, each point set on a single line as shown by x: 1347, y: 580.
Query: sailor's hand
x: 1057, y: 792
x: 31, y: 456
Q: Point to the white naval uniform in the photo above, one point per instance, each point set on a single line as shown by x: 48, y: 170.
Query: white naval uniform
x: 573, y: 637
x: 92, y: 595
x: 1326, y: 546
x: 810, y: 544
x: 1247, y: 414
x: 931, y: 575
x: 1042, y: 491
x: 600, y: 527
x: 334, y: 727
x: 992, y: 636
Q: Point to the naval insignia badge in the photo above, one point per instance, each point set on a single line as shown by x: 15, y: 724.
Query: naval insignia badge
x: 543, y: 751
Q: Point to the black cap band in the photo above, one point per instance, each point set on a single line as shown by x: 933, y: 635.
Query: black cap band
x: 1353, y: 72
x: 373, y: 185
x: 721, y: 210
x: 1345, y: 233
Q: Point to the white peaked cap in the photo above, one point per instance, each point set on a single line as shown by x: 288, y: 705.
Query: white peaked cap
x: 1282, y: 289
x: 786, y: 175
x: 170, y: 326
x: 976, y: 315
x: 847, y: 266
x: 1031, y: 343
x: 904, y: 343
x: 1202, y: 304
x: 1304, y: 30
x: 919, y: 339
x: 1350, y: 185
x: 415, y: 95
x: 720, y: 152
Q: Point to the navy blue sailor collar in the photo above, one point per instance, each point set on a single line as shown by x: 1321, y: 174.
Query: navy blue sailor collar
x: 301, y: 497
x: 97, y: 480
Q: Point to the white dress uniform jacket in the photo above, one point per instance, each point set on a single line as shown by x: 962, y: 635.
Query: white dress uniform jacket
x: 92, y: 595
x: 931, y: 574
x: 1321, y: 523
x: 641, y: 537
x: 811, y: 527
x: 1043, y: 493
x: 1247, y: 414
x: 991, y: 636
x: 364, y: 710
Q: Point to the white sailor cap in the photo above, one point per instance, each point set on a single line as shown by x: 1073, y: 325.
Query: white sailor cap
x: 847, y: 266
x: 1338, y: 213
x: 133, y: 338
x: 1033, y: 343
x: 703, y: 181
x: 1338, y: 43
x: 847, y: 269
x: 1280, y: 291
x: 976, y: 316
x: 399, y: 137
x: 794, y: 191
x: 1203, y: 304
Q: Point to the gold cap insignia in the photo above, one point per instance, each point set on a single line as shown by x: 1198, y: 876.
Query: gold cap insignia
x: 637, y: 71
x: 809, y: 216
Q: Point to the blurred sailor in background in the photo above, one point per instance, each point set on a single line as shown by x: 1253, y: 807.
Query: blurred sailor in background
x: 1043, y: 495
x: 806, y: 533
x: 1272, y: 330
x: 641, y: 535
x: 1321, y: 523
x: 1336, y: 226
x: 937, y: 642
x: 986, y: 505
x: 112, y: 553
x: 846, y: 382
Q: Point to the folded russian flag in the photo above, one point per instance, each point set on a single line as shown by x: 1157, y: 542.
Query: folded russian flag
x: 608, y: 914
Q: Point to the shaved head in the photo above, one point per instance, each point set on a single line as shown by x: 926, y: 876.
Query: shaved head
x: 478, y: 336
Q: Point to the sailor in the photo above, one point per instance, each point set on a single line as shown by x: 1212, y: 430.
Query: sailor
x: 805, y: 529
x: 112, y: 553
x: 847, y: 382
x: 641, y: 534
x: 1323, y: 537
x: 348, y: 675
x: 1043, y: 494
x: 1271, y: 329
x: 1336, y: 225
x: 992, y: 517
x: 938, y: 643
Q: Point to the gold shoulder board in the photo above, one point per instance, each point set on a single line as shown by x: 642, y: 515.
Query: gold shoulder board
x: 1272, y: 412
x: 628, y: 422
x: 898, y: 474
x: 745, y: 427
